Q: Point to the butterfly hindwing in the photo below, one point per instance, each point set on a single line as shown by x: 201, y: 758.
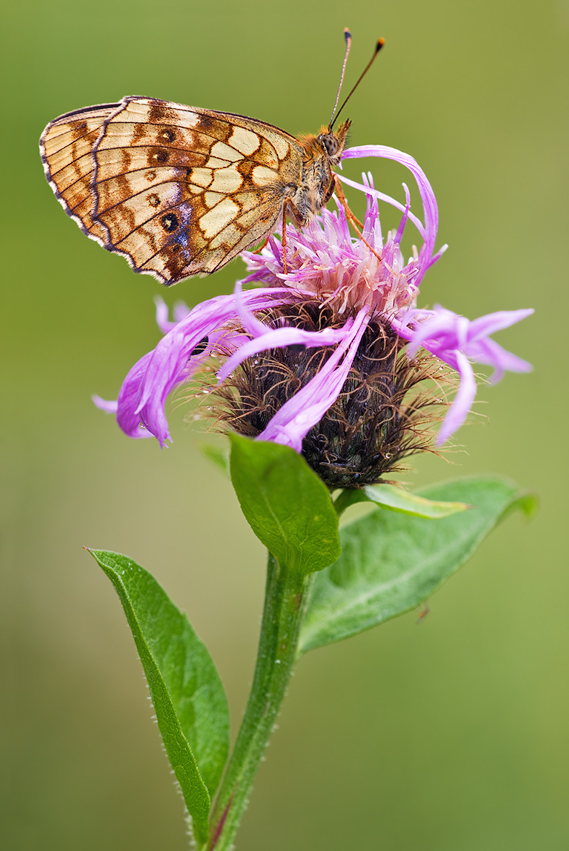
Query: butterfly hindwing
x: 179, y: 191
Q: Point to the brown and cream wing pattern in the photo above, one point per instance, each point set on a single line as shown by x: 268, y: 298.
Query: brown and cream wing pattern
x: 66, y: 148
x: 177, y: 190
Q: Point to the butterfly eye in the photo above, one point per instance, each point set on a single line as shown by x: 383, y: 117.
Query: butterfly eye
x: 169, y: 222
x: 329, y: 142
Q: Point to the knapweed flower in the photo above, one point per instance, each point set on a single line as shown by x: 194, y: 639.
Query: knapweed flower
x: 328, y: 356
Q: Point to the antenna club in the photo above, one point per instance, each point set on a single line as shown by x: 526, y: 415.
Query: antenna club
x: 335, y: 114
x: 347, y: 34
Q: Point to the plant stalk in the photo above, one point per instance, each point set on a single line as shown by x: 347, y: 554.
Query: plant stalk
x: 286, y: 595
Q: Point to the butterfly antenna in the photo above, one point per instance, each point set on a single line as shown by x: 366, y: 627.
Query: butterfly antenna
x: 378, y: 47
x: 348, y: 38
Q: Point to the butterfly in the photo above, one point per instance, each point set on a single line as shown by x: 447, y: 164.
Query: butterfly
x: 180, y: 190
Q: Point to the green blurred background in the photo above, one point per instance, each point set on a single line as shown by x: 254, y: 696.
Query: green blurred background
x: 451, y: 735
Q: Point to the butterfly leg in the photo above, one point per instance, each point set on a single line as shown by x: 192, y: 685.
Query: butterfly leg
x: 283, y: 239
x: 350, y: 216
x: 298, y: 219
x: 262, y: 245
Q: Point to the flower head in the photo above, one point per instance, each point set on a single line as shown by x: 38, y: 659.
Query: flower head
x: 327, y: 356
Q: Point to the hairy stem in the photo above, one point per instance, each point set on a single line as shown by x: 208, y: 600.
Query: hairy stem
x: 285, y: 599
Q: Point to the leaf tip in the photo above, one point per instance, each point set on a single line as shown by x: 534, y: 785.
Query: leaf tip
x: 528, y: 503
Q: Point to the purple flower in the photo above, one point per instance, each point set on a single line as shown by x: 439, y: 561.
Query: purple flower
x: 310, y: 332
x: 457, y: 341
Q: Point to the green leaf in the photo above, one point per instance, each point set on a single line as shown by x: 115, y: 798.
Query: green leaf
x: 217, y: 456
x: 285, y: 503
x: 391, y: 562
x: 188, y: 697
x: 397, y: 499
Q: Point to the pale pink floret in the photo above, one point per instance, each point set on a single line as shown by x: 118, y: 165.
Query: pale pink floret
x: 324, y: 263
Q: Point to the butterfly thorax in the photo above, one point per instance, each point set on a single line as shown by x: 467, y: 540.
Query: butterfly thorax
x: 322, y: 154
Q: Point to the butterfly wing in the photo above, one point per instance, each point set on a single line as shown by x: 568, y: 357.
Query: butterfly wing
x: 66, y: 148
x: 177, y: 190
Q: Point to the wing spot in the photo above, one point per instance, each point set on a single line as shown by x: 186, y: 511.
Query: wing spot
x: 215, y: 162
x: 157, y: 113
x: 169, y: 222
x: 214, y: 221
x: 224, y: 152
x: 151, y: 175
x: 204, y: 122
x: 154, y: 200
x: 226, y: 180
x: 160, y: 157
x: 264, y: 176
x: 281, y: 146
x: 167, y: 136
x: 201, y: 176
x: 212, y: 198
x: 245, y: 141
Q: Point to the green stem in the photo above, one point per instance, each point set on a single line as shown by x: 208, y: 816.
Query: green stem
x: 285, y: 599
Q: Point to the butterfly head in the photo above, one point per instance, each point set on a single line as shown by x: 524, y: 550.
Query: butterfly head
x: 334, y: 142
